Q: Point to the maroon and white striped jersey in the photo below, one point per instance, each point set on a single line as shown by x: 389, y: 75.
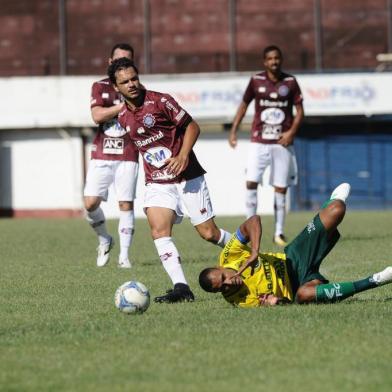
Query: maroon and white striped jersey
x: 111, y: 142
x: 157, y: 130
x: 273, y: 105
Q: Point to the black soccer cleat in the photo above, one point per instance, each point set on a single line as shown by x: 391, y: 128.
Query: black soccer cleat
x: 180, y: 293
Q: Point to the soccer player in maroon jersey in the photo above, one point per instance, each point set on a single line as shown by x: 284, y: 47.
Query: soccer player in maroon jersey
x: 114, y: 159
x: 164, y: 134
x: 273, y: 130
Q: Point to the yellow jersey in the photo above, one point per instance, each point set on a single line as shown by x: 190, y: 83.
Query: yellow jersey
x: 269, y: 277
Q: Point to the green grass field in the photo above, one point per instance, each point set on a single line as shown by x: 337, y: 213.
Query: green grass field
x: 60, y: 331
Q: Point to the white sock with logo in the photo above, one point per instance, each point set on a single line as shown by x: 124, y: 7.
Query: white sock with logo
x: 251, y: 202
x: 170, y: 259
x: 126, y: 226
x: 224, y: 238
x: 280, y: 212
x: 96, y: 220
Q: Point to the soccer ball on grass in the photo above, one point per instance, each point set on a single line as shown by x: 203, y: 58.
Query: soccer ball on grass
x: 132, y: 297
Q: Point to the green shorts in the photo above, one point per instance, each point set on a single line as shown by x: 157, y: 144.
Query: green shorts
x: 306, y: 252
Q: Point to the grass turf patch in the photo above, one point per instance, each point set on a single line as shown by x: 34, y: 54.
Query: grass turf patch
x: 60, y: 330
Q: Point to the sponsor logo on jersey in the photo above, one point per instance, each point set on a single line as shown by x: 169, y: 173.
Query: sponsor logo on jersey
x: 180, y: 115
x: 283, y: 91
x: 160, y: 175
x: 273, y: 95
x: 310, y: 227
x: 170, y: 106
x: 157, y: 156
x: 113, y: 128
x: 274, y: 104
x: 140, y: 130
x: 113, y: 146
x: 272, y: 116
x: 148, y: 120
x: 262, y: 89
x: 151, y: 139
x: 105, y: 95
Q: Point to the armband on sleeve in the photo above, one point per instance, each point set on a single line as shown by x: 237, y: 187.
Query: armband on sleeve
x: 241, y: 237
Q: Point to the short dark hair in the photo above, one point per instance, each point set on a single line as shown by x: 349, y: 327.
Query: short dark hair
x: 205, y: 281
x: 271, y: 48
x: 118, y: 65
x: 122, y: 46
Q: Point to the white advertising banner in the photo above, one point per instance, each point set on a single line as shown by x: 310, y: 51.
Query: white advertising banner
x: 37, y: 102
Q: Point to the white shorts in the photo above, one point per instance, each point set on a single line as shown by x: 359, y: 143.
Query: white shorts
x: 101, y: 174
x: 281, y: 159
x: 190, y: 196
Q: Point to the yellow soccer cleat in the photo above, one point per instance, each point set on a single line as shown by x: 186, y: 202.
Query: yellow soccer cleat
x: 280, y: 240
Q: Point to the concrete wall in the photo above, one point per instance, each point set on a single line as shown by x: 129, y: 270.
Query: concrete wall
x: 42, y: 175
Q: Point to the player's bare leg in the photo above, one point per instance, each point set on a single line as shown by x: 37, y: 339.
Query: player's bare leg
x: 96, y: 219
x: 251, y: 198
x: 161, y: 222
x: 209, y: 231
x: 126, y: 229
x: 280, y: 215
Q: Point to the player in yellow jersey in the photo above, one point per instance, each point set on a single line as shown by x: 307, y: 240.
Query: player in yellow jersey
x: 248, y: 278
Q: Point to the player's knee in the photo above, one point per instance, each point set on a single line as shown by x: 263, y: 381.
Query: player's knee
x: 158, y: 232
x: 337, y: 209
x: 305, y: 295
x: 91, y: 203
x: 251, y: 185
x: 125, y: 205
x: 210, y: 233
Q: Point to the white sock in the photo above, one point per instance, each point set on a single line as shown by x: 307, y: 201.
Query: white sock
x: 224, y: 238
x: 170, y: 259
x: 126, y: 226
x: 280, y: 212
x: 251, y: 202
x: 96, y: 220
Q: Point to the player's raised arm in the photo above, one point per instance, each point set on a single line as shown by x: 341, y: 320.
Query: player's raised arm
x: 178, y: 164
x: 251, y: 231
x: 102, y: 114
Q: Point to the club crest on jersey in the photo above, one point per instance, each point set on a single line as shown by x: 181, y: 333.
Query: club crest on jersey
x: 156, y: 156
x: 148, y: 120
x: 283, y: 91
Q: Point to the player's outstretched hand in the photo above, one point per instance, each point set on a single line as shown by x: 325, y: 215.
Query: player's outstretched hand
x: 176, y: 165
